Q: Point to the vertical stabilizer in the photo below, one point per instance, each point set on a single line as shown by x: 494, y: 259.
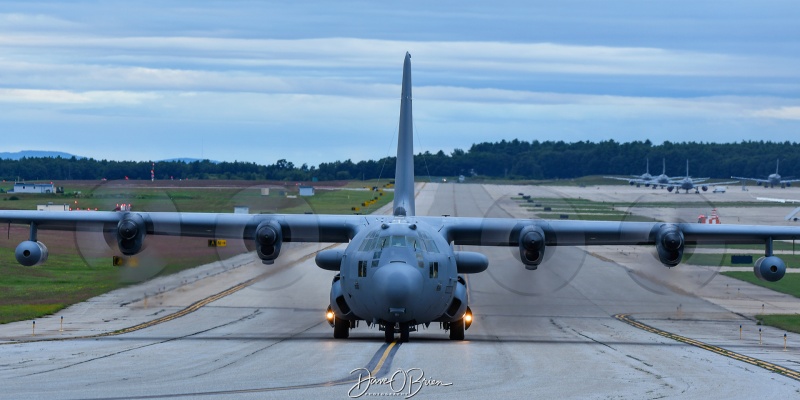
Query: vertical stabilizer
x: 647, y: 170
x: 663, y: 166
x: 777, y: 165
x: 404, y: 173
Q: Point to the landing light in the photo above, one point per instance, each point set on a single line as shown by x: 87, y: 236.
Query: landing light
x: 329, y: 315
x: 467, y: 318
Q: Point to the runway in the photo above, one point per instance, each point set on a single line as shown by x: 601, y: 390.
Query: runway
x: 537, y: 334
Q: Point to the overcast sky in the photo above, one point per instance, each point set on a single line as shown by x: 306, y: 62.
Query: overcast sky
x: 319, y: 81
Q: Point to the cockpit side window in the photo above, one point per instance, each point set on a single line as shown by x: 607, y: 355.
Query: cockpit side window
x: 430, y: 244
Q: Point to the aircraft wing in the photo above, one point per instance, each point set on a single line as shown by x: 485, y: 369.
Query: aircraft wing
x: 633, y: 180
x: 506, y: 232
x: 532, y: 237
x: 130, y: 229
x: 751, y: 179
x: 289, y: 227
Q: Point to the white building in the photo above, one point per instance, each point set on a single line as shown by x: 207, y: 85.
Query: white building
x: 53, y: 207
x: 306, y: 190
x: 22, y: 187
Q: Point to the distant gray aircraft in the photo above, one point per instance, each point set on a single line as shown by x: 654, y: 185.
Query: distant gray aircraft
x: 401, y: 271
x: 772, y: 180
x: 687, y: 183
x: 644, y: 179
x: 662, y: 180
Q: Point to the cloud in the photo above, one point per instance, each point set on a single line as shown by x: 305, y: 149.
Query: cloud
x: 791, y: 113
x: 20, y: 21
x: 108, y: 98
x: 488, y: 56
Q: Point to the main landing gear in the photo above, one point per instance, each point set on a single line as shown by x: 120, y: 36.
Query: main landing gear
x: 457, y: 330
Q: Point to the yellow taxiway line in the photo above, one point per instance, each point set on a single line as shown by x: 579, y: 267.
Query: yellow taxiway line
x: 790, y: 373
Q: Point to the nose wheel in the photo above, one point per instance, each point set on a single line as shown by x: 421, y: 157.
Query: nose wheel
x: 389, y: 333
x: 390, y: 330
x: 404, y: 328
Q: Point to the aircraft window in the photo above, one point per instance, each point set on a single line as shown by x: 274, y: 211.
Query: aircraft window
x: 398, y: 241
x: 433, y: 269
x: 362, y: 269
x: 367, y: 245
x: 375, y: 263
x: 431, y: 246
x: 383, y: 242
x: 420, y: 261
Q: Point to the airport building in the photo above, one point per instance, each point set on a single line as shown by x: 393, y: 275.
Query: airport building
x: 22, y: 187
x: 306, y: 190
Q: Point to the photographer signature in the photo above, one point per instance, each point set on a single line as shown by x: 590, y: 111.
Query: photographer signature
x: 405, y: 383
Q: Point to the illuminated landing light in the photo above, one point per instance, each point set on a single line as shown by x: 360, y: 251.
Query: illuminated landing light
x: 467, y: 318
x: 330, y: 317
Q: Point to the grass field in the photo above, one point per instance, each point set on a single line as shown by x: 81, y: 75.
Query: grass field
x: 790, y: 284
x: 724, y: 260
x: 76, y: 271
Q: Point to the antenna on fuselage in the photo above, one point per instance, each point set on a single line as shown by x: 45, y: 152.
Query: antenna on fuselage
x: 404, y: 171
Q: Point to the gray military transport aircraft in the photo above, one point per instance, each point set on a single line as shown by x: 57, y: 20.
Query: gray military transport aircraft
x: 647, y: 180
x: 772, y: 180
x: 400, y: 272
x: 687, y: 183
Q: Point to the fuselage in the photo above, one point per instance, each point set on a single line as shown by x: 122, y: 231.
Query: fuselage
x: 401, y: 271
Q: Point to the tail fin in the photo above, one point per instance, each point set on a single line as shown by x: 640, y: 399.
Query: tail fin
x: 777, y: 165
x: 404, y: 172
x: 663, y: 166
x: 647, y: 170
x: 687, y: 167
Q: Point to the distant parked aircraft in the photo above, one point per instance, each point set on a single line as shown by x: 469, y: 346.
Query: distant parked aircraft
x: 644, y: 179
x: 687, y: 183
x: 772, y: 180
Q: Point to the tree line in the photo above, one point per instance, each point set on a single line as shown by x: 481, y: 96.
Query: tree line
x: 513, y: 159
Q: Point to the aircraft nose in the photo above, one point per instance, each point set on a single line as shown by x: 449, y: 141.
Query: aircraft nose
x: 398, y: 286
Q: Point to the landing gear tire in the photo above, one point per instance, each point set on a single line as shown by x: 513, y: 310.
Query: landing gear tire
x: 341, y: 328
x: 457, y: 330
x: 389, y: 333
x: 404, y: 328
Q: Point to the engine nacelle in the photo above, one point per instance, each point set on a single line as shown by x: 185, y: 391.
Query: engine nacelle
x: 669, y: 245
x: 130, y: 234
x: 531, y: 246
x: 705, y: 188
x: 30, y: 253
x: 788, y: 184
x: 269, y: 238
x: 631, y: 183
x: 770, y: 269
x: 470, y: 262
x: 670, y: 188
x: 330, y: 260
